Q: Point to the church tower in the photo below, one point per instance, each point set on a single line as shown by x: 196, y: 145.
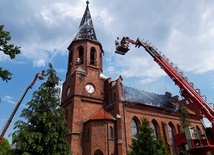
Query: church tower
x: 83, y: 89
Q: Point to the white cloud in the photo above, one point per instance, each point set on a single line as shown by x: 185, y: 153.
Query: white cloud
x: 39, y: 63
x: 8, y: 99
x: 3, y: 56
x: 192, y: 48
x: 110, y: 69
x: 57, y: 11
x: 183, y: 35
x: 61, y: 70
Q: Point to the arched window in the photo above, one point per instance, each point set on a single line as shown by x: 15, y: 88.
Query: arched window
x: 134, y: 128
x: 170, y: 132
x: 154, y: 128
x: 93, y: 56
x: 171, y: 137
x: 80, y: 59
x: 98, y: 152
x: 70, y: 59
x: 111, y: 132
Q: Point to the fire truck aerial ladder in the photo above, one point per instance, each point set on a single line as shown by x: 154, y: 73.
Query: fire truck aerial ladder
x: 195, y: 142
x: 5, y: 127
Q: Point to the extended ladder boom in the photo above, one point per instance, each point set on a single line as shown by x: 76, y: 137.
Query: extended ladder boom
x: 5, y: 127
x: 187, y: 88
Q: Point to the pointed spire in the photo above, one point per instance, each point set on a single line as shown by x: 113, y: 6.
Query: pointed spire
x: 86, y: 28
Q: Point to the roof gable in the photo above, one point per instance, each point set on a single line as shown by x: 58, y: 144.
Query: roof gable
x: 102, y: 115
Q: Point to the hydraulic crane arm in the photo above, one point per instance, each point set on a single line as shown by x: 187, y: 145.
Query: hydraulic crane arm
x: 194, y: 141
x: 187, y: 88
x: 5, y: 127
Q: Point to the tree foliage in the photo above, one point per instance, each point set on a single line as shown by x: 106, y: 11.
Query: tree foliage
x: 145, y: 144
x: 5, y: 147
x: 184, y: 118
x: 44, y: 130
x: 9, y: 49
x: 183, y: 114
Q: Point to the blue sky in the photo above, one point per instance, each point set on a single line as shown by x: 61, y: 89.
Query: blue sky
x: 182, y: 30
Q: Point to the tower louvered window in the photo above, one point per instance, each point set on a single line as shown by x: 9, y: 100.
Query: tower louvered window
x: 92, y: 56
x: 80, y: 59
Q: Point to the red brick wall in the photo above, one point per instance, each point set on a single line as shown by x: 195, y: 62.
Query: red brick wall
x: 79, y: 105
x: 98, y: 132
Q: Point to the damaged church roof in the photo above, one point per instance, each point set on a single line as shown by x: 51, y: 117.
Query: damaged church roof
x: 140, y: 96
x: 86, y: 28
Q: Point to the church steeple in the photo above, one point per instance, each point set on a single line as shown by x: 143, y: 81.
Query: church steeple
x: 83, y: 93
x: 86, y: 28
x: 85, y: 51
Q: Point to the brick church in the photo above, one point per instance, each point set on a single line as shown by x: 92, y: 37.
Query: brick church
x: 102, y: 114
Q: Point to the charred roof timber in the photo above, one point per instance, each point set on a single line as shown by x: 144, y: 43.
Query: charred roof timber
x: 140, y: 96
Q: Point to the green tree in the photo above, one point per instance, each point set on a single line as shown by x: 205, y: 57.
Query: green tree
x: 44, y: 130
x: 5, y: 147
x: 184, y: 118
x: 183, y: 114
x: 9, y: 49
x: 145, y: 144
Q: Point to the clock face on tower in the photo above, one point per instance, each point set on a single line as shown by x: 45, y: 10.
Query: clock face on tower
x: 89, y: 88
